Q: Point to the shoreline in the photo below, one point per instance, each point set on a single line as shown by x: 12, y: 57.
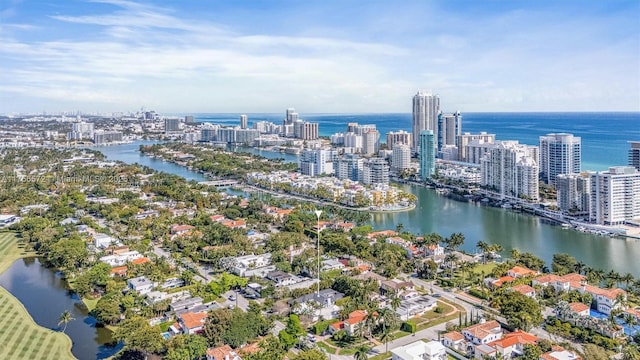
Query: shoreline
x: 7, y: 262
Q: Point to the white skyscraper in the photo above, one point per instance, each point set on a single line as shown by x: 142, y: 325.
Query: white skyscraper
x: 398, y: 137
x: 401, y: 157
x: 559, y: 154
x: 243, y: 121
x: 511, y: 170
x: 426, y: 108
x: 370, y: 142
x: 449, y: 128
x: 615, y: 196
x: 574, y: 193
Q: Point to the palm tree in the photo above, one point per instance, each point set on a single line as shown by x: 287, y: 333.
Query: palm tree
x: 450, y: 258
x: 386, y: 336
x: 515, y: 254
x: 483, y: 248
x: 627, y: 279
x: 579, y: 267
x: 64, y: 319
x: 362, y: 352
x: 395, y: 302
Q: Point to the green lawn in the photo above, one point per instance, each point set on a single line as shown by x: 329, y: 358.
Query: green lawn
x: 20, y: 337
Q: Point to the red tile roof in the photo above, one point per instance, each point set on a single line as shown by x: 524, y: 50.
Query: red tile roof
x: 524, y: 289
x: 193, y: 320
x: 578, y: 307
x: 454, y: 336
x: 516, y: 337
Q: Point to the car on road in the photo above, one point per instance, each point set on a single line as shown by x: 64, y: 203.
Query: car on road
x: 231, y: 297
x: 436, y: 295
x: 231, y: 306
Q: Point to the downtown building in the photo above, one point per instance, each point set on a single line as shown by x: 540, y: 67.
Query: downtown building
x: 375, y: 171
x: 243, y: 121
x: 615, y: 196
x: 427, y: 154
x: 398, y: 138
x: 400, y: 158
x: 171, y: 125
x: 370, y: 142
x: 81, y: 130
x: 634, y: 154
x: 559, y: 154
x: 510, y: 170
x: 426, y: 108
x: 349, y: 167
x: 574, y: 193
x: 305, y: 130
x: 471, y: 146
x: 101, y: 137
x: 315, y: 162
x: 449, y: 129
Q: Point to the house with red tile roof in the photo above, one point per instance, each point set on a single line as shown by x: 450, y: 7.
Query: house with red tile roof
x: 521, y: 271
x: 224, y: 352
x: 512, y: 344
x: 235, y: 224
x: 192, y: 323
x: 350, y: 324
x: 483, y: 333
x: 177, y: 229
x: 579, y: 308
x: 454, y: 340
x: 502, y: 280
x: 525, y: 290
x: 383, y: 233
x: 216, y: 218
x: 119, y: 270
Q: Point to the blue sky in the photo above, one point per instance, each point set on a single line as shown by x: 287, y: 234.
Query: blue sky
x: 318, y: 56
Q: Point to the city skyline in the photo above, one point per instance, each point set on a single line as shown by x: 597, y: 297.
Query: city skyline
x: 322, y: 57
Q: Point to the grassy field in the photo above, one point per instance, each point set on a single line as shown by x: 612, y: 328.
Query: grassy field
x: 20, y: 337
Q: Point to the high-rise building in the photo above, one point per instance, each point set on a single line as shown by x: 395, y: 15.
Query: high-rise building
x: 305, y: 130
x: 465, y: 139
x: 398, y: 137
x: 449, y: 128
x: 189, y: 119
x: 511, y: 170
x: 104, y: 137
x: 427, y: 154
x: 349, y: 167
x: 243, y: 121
x: 171, y: 125
x: 370, y: 142
x: 291, y: 116
x: 574, y: 193
x: 559, y: 154
x: 634, y: 154
x: 209, y: 132
x: 81, y: 130
x: 615, y: 196
x: 375, y: 171
x: 400, y: 157
x: 426, y: 108
x: 317, y: 161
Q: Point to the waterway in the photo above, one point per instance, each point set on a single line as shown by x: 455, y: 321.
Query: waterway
x: 45, y: 296
x: 436, y: 213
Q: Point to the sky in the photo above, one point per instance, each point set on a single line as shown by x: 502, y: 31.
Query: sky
x: 325, y: 56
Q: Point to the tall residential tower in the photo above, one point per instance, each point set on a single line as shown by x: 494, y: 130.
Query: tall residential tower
x: 427, y: 154
x: 426, y: 108
x: 559, y: 154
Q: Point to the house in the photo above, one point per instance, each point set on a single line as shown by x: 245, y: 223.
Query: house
x: 484, y: 351
x: 141, y: 284
x: 281, y: 278
x: 249, y: 265
x: 68, y: 221
x: 377, y: 234
x: 502, y: 280
x: 415, y: 305
x: 453, y: 340
x: 331, y: 264
x: 217, y: 218
x: 420, y: 350
x: 520, y: 271
x: 119, y: 270
x: 344, y: 226
x: 224, y: 352
x: 192, y: 323
x: 180, y: 229
x: 512, y: 344
x: 186, y: 304
x: 434, y: 250
x: 525, y: 290
x: 7, y: 219
x: 559, y: 283
x: 579, y: 308
x: 234, y: 224
x: 140, y: 261
x: 318, y: 304
x: 559, y: 353
x: 103, y: 241
x: 396, y: 286
x: 351, y: 324
x: 120, y: 259
x: 172, y: 283
x: 483, y: 333
x: 635, y: 312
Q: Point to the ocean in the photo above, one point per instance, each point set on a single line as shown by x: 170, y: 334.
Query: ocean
x: 605, y: 136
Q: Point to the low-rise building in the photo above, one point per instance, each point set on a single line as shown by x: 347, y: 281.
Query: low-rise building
x: 281, y: 278
x: 186, y: 304
x: 192, y: 323
x: 525, y: 290
x: 420, y: 350
x: 454, y: 340
x: 318, y: 304
x: 141, y: 284
x: 483, y: 333
x: 559, y: 353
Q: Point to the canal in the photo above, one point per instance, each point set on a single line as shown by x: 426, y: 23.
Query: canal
x: 45, y: 296
x: 437, y: 213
